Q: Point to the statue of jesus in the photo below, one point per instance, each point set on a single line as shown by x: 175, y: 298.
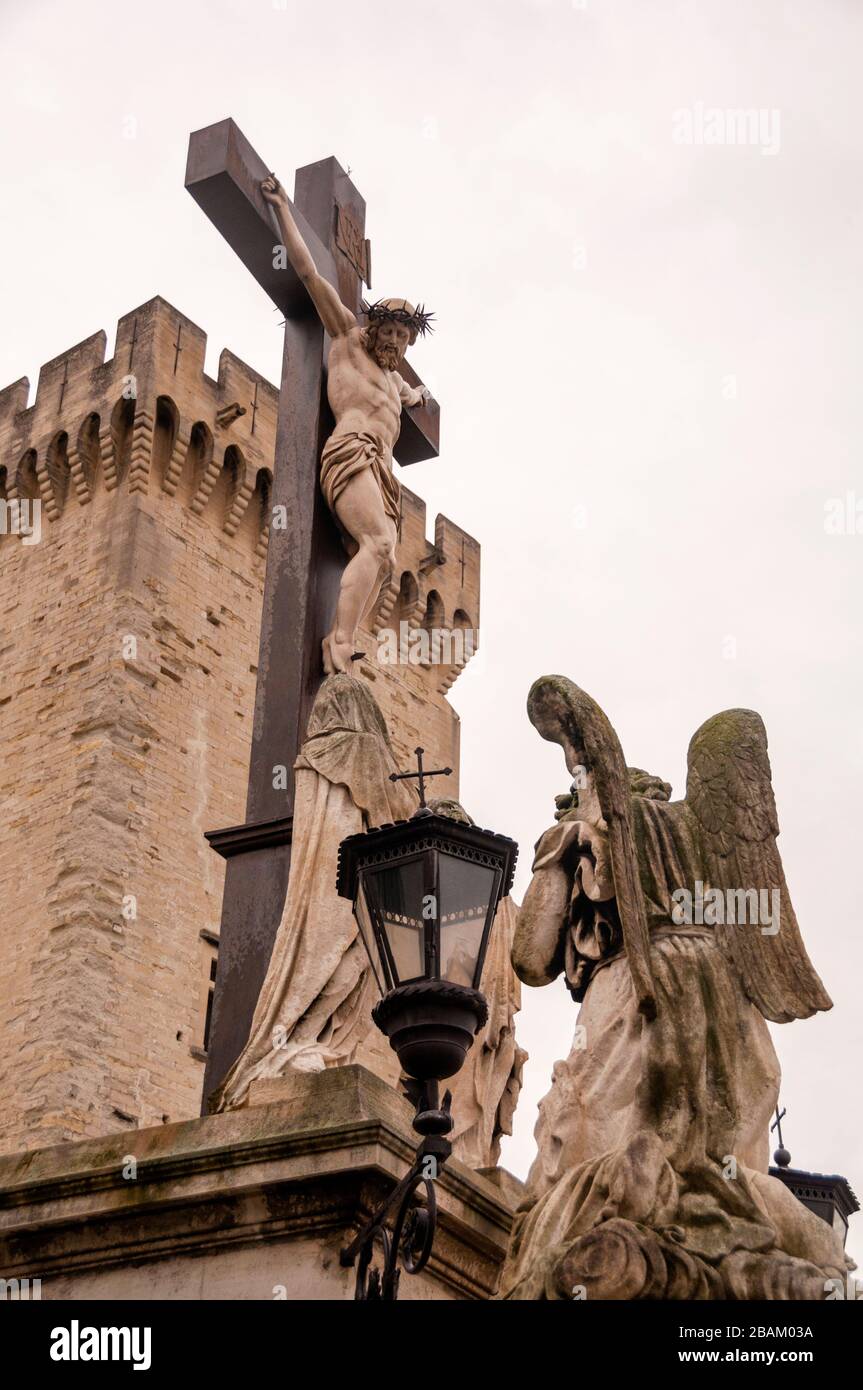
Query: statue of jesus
x: 366, y: 395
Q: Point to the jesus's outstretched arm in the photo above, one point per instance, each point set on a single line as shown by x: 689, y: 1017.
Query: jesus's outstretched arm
x: 334, y: 315
x: 411, y: 395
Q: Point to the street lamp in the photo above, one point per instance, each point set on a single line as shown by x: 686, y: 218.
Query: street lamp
x: 828, y: 1195
x: 425, y: 893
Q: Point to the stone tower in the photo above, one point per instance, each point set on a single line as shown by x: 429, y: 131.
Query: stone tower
x: 128, y: 646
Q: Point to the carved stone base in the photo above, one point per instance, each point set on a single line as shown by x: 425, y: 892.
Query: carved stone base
x: 252, y: 1204
x: 622, y: 1260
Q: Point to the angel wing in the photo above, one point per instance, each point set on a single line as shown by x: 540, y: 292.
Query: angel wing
x: 729, y: 791
x: 564, y: 714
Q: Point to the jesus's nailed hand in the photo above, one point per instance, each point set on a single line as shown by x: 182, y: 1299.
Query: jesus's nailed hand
x: 273, y: 191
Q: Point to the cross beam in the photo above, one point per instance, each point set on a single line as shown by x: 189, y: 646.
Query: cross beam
x: 224, y: 174
x: 305, y: 560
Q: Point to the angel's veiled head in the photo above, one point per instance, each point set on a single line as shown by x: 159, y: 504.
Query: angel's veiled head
x: 643, y: 783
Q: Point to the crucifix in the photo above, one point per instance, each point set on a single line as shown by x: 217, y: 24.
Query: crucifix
x: 421, y: 775
x: 305, y: 559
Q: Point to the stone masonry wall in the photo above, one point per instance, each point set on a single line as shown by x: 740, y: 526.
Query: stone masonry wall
x: 128, y: 648
x: 127, y: 672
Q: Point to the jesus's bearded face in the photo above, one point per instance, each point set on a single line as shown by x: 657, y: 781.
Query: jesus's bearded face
x: 388, y: 342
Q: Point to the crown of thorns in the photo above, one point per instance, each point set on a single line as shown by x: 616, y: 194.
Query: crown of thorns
x: 420, y: 321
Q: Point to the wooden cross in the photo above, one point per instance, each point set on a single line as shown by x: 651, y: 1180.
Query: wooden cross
x: 304, y: 560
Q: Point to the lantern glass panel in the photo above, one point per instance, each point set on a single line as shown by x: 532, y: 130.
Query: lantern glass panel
x: 398, y: 893
x: 465, y: 889
x: 363, y: 915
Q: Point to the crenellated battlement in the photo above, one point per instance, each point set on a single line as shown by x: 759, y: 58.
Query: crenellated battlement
x: 149, y: 418
x: 435, y: 586
x: 153, y: 334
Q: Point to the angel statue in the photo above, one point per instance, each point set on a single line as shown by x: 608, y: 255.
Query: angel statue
x: 672, y: 925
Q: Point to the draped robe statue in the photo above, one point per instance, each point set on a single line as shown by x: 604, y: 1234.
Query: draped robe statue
x: 314, y: 1010
x: 651, y: 1175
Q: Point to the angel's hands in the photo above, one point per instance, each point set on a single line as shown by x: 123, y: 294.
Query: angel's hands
x: 567, y: 802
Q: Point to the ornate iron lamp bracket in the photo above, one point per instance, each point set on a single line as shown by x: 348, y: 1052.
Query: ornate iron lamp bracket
x: 413, y: 1226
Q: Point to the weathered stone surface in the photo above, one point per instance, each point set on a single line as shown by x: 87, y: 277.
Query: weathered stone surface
x: 116, y: 755
x: 315, y: 1008
x: 651, y: 1174
x: 252, y: 1204
x: 127, y: 650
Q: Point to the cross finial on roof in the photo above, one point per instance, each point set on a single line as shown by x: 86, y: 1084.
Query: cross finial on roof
x: 421, y: 774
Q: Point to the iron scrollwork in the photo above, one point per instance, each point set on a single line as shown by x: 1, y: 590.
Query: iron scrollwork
x: 411, y: 1237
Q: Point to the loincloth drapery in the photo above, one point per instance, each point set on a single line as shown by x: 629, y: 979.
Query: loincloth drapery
x: 346, y: 455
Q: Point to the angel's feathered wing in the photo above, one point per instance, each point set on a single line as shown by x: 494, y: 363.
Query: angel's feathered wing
x: 730, y: 794
x: 564, y: 714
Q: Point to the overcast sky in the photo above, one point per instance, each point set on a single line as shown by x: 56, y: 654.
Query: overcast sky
x: 647, y: 355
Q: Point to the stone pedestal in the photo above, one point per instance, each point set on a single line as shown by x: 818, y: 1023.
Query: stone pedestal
x: 255, y: 1204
